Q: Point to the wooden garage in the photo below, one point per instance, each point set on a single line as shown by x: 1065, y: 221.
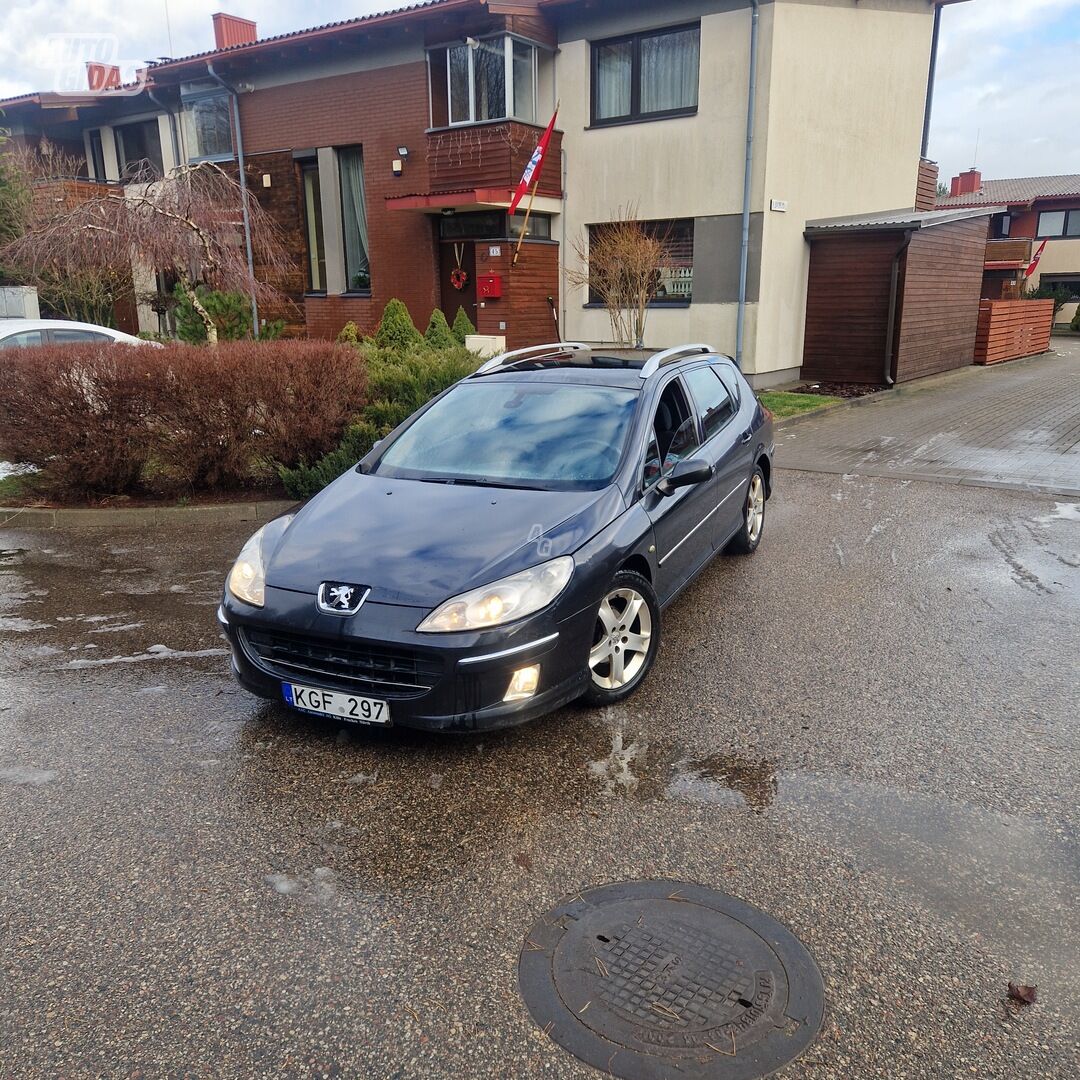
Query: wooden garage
x: 893, y: 296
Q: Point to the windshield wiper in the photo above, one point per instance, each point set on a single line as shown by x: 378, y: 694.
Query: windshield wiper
x: 473, y: 481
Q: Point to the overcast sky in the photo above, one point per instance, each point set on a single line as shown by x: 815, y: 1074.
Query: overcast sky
x: 1008, y: 76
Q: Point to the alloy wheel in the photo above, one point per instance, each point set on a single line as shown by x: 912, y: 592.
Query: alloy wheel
x: 622, y: 638
x: 755, y: 508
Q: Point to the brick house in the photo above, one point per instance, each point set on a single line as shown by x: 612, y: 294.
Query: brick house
x: 1035, y: 208
x: 387, y: 147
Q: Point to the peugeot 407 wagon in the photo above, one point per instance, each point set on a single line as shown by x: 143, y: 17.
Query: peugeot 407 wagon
x: 510, y: 547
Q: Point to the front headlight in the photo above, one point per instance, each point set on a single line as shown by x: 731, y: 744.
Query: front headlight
x: 247, y: 580
x: 504, y: 601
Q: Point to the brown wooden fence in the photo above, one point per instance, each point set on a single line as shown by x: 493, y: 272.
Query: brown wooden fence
x: 1009, y: 329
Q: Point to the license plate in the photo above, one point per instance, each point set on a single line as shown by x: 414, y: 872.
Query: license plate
x: 357, y: 710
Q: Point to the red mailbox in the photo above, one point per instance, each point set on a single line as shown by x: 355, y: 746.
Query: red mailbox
x: 489, y: 286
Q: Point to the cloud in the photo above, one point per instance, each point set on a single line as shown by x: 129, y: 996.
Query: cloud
x: 44, y: 43
x: 1008, y: 79
x: 1007, y: 75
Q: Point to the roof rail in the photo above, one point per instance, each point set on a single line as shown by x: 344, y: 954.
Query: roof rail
x: 504, y: 359
x: 655, y: 363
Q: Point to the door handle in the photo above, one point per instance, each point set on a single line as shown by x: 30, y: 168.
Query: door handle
x: 746, y: 436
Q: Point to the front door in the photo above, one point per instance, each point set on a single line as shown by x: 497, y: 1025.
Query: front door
x: 724, y: 447
x: 457, y: 262
x: 683, y: 536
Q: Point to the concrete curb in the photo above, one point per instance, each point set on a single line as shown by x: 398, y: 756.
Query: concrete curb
x: 34, y: 517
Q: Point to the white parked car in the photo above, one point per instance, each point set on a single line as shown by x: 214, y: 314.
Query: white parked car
x: 17, y: 332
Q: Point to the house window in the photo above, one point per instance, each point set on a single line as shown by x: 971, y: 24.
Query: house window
x: 674, y: 279
x: 313, y: 226
x: 493, y: 79
x: 1054, y: 223
x: 479, y: 225
x: 1067, y: 281
x: 97, y: 154
x: 646, y: 76
x: 354, y: 219
x: 493, y: 225
x: 539, y: 227
x: 207, y: 127
x: 138, y: 147
x: 524, y: 68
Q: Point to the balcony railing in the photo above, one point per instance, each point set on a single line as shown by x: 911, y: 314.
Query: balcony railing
x: 1012, y: 250
x: 66, y: 192
x: 492, y: 155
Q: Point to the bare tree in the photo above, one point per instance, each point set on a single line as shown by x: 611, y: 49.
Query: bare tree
x: 189, y: 223
x: 41, y: 186
x: 14, y: 193
x: 620, y: 262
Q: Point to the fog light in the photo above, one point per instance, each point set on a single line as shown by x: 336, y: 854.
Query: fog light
x: 524, y: 683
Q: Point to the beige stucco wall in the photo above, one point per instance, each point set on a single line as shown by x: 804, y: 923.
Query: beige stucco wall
x: 841, y: 87
x: 686, y: 167
x: 847, y: 95
x: 1060, y: 257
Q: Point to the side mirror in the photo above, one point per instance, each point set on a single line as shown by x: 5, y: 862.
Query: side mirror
x: 685, y: 474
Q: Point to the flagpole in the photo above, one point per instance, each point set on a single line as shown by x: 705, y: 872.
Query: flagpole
x: 525, y: 224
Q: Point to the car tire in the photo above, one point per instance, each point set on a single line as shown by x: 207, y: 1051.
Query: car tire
x: 625, y: 641
x: 746, y: 540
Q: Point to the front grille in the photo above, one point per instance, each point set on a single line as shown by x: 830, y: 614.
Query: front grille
x: 356, y: 666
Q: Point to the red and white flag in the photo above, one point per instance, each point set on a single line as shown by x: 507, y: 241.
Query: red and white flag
x: 536, y: 164
x: 1034, y: 265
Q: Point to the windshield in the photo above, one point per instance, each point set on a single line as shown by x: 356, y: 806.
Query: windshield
x: 519, y: 434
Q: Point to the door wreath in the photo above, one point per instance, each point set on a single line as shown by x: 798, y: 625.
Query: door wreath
x: 459, y: 277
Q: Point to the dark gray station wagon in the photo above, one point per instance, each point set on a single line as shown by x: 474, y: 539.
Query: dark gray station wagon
x: 511, y: 546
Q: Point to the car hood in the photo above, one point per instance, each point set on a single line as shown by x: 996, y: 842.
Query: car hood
x: 418, y: 544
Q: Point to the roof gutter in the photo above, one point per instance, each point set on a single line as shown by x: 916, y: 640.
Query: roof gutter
x: 239, y: 139
x: 894, y: 288
x: 748, y: 181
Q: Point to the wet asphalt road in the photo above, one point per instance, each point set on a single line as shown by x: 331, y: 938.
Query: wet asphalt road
x: 869, y: 729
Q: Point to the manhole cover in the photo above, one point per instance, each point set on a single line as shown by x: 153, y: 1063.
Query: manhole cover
x: 653, y: 980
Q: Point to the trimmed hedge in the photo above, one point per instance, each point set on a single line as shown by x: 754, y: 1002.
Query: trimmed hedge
x: 439, y: 335
x: 399, y: 383
x: 396, y: 330
x: 117, y: 420
x: 463, y: 326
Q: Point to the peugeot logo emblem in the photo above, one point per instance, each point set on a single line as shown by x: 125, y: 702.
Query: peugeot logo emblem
x: 341, y: 598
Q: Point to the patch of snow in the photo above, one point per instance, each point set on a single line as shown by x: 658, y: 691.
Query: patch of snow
x: 9, y: 469
x: 154, y: 652
x: 27, y: 776
x: 1062, y: 512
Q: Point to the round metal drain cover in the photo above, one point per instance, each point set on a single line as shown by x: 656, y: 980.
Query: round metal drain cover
x: 653, y: 980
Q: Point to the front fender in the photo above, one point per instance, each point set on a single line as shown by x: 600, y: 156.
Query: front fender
x: 629, y: 536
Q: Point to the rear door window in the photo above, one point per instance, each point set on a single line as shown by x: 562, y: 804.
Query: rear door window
x: 68, y: 337
x: 24, y: 337
x: 715, y: 405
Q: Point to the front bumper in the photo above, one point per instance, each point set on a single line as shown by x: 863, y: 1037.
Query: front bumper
x: 433, y: 682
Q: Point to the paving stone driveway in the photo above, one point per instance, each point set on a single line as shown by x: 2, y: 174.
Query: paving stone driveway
x: 1013, y: 426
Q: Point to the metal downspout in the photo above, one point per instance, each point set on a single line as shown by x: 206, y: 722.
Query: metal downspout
x: 931, y: 79
x: 894, y: 283
x: 243, y: 190
x: 748, y: 180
